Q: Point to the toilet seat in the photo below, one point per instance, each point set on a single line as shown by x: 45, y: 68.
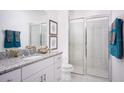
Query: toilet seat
x: 67, y: 67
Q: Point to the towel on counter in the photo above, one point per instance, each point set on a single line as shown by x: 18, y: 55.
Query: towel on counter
x: 116, y: 45
x: 8, y: 39
x: 17, y: 42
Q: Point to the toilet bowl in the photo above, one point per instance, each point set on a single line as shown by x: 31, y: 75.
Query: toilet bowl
x: 66, y: 72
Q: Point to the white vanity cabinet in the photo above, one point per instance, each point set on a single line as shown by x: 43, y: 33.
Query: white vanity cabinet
x: 47, y: 69
x: 13, y: 76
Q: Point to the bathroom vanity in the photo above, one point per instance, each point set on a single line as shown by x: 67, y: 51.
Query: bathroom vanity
x: 38, y: 68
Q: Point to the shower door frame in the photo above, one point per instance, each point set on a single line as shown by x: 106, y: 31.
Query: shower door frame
x: 83, y: 72
x: 85, y: 40
x: 83, y: 65
x: 95, y: 17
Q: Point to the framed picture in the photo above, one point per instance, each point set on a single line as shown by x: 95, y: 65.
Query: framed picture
x: 53, y: 27
x: 53, y: 42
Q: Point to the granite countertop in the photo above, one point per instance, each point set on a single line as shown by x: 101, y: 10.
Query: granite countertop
x: 11, y: 64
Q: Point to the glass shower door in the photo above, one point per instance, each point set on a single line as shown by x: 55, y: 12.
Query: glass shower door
x: 76, y: 45
x: 97, y: 46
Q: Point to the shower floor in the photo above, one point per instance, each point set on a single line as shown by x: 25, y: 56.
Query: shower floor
x: 78, y: 69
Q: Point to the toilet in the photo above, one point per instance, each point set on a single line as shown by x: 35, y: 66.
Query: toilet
x: 66, y: 72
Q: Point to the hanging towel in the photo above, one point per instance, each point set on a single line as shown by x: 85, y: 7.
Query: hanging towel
x: 116, y: 45
x: 17, y: 42
x: 8, y: 40
x: 17, y: 36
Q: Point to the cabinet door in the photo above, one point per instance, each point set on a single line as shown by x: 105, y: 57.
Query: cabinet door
x: 45, y: 75
x: 49, y: 74
x: 34, y: 68
x: 37, y: 77
x: 13, y: 76
x: 58, y: 67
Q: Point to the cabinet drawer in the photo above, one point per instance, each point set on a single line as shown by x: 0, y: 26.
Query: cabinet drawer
x: 27, y: 71
x: 49, y: 73
x: 13, y: 76
x: 58, y: 69
x: 58, y: 58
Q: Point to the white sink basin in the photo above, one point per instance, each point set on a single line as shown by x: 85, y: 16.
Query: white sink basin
x: 31, y: 57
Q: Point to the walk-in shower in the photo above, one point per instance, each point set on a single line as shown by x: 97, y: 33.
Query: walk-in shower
x: 88, y: 46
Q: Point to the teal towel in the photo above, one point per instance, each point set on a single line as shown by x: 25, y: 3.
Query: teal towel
x: 12, y: 39
x: 17, y: 42
x: 8, y: 39
x: 116, y: 49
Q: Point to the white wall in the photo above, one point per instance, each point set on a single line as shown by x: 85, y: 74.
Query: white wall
x: 18, y: 20
x: 87, y: 13
x: 51, y: 15
x: 61, y: 17
x: 63, y: 28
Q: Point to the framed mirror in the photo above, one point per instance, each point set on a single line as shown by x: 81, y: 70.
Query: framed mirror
x: 38, y: 34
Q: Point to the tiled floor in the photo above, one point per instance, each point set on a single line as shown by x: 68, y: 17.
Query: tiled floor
x: 87, y: 78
